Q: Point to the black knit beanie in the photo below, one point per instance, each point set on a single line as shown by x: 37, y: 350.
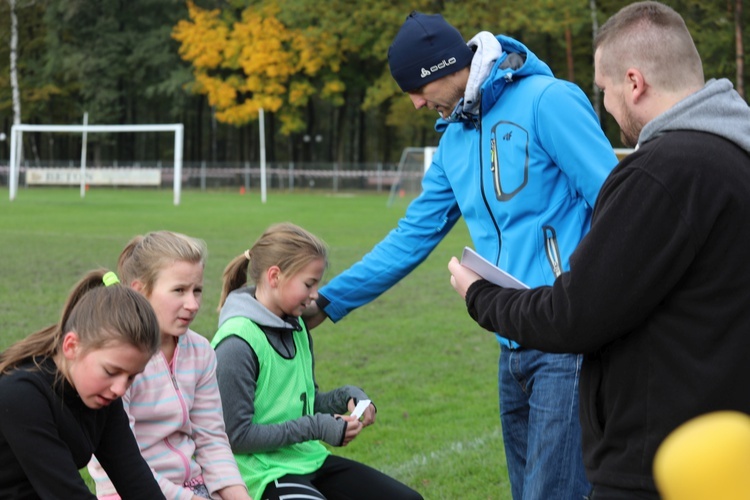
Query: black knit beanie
x: 426, y: 48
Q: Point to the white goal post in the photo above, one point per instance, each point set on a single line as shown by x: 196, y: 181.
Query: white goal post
x: 16, y: 140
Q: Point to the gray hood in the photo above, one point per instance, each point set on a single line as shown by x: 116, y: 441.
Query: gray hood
x: 241, y: 302
x: 487, y: 50
x: 717, y: 109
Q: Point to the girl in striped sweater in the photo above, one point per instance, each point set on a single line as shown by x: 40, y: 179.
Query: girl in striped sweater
x: 174, y: 405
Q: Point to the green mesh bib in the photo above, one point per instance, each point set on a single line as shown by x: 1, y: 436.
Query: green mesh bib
x: 285, y: 392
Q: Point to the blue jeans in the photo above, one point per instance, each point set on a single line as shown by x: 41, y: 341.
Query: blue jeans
x: 541, y: 429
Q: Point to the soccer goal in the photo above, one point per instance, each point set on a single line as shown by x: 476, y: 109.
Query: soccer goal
x: 16, y: 140
x: 413, y: 164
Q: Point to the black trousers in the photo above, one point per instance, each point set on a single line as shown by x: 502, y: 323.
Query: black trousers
x: 339, y: 479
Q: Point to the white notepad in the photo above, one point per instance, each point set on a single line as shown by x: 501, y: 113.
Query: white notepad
x: 488, y: 270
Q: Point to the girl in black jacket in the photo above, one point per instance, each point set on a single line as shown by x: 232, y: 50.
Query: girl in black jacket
x: 60, y: 392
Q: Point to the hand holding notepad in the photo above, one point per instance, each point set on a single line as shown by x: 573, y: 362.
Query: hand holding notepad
x: 461, y: 280
x: 488, y: 270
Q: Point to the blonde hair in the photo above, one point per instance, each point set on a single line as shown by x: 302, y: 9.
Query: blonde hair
x: 285, y: 245
x: 145, y: 256
x: 653, y: 38
x: 99, y: 315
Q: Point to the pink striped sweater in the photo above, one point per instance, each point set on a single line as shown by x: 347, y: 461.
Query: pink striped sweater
x: 175, y: 413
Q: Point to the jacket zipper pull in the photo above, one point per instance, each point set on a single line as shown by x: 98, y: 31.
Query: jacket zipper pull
x: 553, y: 253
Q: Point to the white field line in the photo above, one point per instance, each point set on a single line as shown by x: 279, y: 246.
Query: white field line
x: 457, y: 448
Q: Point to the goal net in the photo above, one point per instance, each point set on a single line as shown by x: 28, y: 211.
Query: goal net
x: 407, y: 183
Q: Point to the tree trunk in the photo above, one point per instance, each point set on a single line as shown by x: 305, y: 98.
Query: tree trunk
x: 341, y: 135
x: 595, y: 95
x: 569, y: 48
x: 740, y: 86
x: 13, y: 63
x: 214, y: 140
x: 16, y: 92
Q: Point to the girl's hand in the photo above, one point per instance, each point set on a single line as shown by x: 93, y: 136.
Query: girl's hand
x: 368, y: 416
x: 461, y: 277
x: 353, y: 428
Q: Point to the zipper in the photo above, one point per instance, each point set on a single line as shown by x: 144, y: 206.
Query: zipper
x: 481, y: 180
x: 552, y: 250
x: 185, y: 416
x: 494, y: 167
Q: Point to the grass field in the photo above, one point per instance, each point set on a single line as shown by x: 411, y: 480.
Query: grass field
x: 430, y: 370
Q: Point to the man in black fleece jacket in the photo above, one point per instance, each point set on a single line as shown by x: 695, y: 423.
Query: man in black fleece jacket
x: 658, y: 293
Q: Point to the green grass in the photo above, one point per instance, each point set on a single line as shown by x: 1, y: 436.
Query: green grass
x: 429, y: 369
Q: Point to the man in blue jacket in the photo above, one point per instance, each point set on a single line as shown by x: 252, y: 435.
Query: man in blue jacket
x: 522, y: 158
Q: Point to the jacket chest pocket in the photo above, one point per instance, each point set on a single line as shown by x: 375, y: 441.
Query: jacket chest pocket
x: 509, y: 159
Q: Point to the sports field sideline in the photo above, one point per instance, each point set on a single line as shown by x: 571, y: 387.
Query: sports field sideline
x: 429, y: 369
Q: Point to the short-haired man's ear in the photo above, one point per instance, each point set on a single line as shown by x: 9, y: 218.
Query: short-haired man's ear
x: 636, y: 84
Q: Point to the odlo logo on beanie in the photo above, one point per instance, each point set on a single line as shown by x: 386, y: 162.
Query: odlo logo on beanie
x: 437, y: 67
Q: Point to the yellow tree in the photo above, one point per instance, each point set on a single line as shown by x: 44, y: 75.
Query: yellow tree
x: 258, y: 62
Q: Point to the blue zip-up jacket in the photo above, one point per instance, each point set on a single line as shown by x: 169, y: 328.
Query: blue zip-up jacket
x: 524, y: 173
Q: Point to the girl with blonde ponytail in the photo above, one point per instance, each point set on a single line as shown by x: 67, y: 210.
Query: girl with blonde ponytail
x: 276, y: 418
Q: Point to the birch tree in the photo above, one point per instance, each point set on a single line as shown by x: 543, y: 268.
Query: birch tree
x: 14, y: 63
x: 14, y: 71
x: 595, y: 94
x: 739, y: 48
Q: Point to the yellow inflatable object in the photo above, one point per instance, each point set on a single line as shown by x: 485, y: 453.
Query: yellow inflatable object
x: 706, y: 458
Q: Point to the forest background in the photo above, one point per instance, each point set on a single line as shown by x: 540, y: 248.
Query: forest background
x: 318, y: 69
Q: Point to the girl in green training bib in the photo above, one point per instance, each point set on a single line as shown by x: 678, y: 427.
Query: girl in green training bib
x: 275, y: 416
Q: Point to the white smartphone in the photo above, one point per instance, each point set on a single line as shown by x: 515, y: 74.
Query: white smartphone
x: 360, y: 408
